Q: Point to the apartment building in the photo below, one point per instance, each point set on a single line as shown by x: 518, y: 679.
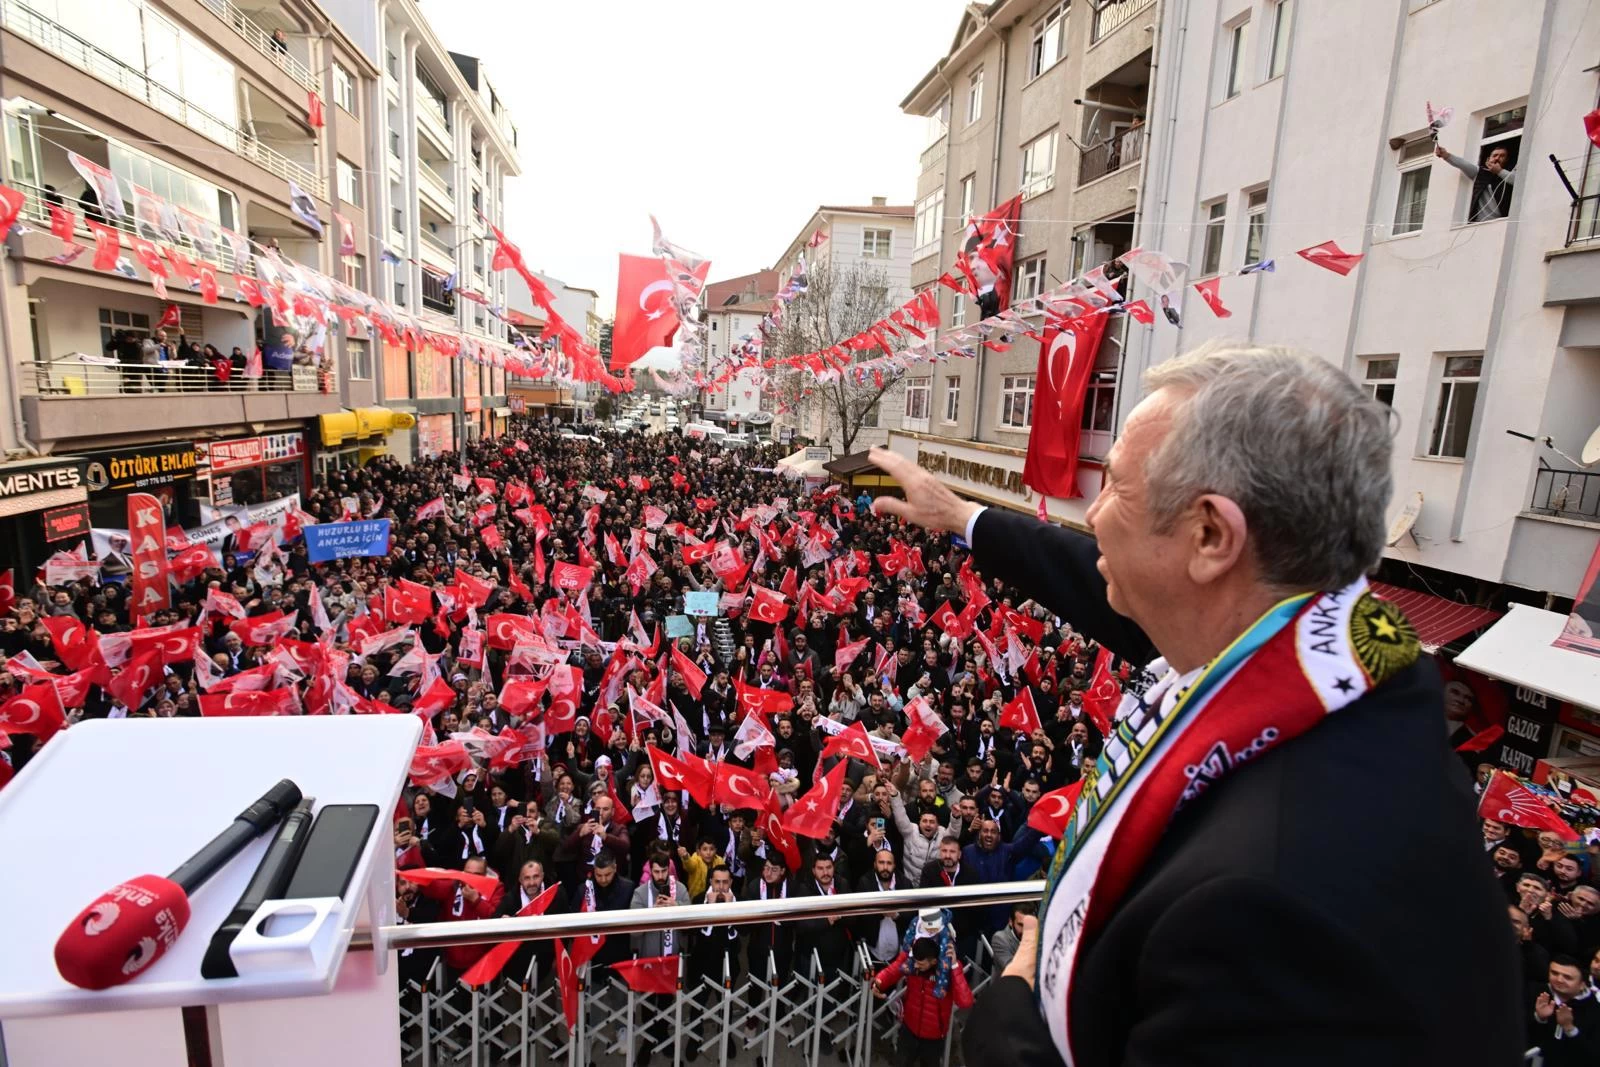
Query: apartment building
x: 442, y: 145
x: 199, y: 117
x: 575, y: 304
x: 1047, y: 101
x: 732, y: 309
x: 869, y: 240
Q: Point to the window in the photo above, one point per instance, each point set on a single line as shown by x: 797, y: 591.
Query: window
x: 939, y: 121
x: 1255, y: 220
x: 1216, y: 215
x: 355, y: 272
x: 952, y: 398
x: 112, y: 320
x: 929, y: 223
x: 876, y: 244
x: 1499, y: 148
x: 360, y: 358
x: 399, y: 293
x: 399, y: 219
x: 1458, y: 395
x: 1016, y: 401
x: 975, y: 96
x: 1415, y: 161
x: 1039, y: 165
x: 1378, y: 381
x: 1082, y: 242
x: 1030, y: 278
x: 874, y: 297
x: 969, y: 192
x: 1238, y: 40
x: 344, y: 89
x: 1099, y: 412
x: 1282, y: 16
x: 391, y: 63
x: 917, y: 398
x: 394, y: 143
x: 1049, y: 41
x: 869, y: 417
x: 958, y: 314
x: 349, y: 183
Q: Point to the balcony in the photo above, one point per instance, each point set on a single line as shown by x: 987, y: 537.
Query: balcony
x: 1110, y: 15
x: 262, y: 42
x: 433, y: 118
x: 1109, y: 156
x: 1564, y: 494
x: 933, y: 155
x: 89, y: 58
x: 94, y: 396
x: 430, y: 184
x: 1584, y: 224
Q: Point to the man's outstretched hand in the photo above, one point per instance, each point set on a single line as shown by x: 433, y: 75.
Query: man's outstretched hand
x: 928, y: 502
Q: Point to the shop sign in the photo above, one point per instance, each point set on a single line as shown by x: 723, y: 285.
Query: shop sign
x: 61, y: 524
x: 1530, y: 721
x: 243, y: 452
x: 141, y: 468
x: 517, y: 404
x: 972, y: 470
x: 26, y: 481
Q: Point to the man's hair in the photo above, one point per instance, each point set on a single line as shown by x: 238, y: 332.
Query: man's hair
x: 1534, y: 876
x: 1562, y: 960
x: 1292, y: 440
x: 924, y: 948
x: 1024, y: 907
x: 705, y: 839
x: 604, y: 858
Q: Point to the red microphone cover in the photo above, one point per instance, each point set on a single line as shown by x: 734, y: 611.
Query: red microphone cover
x: 122, y: 933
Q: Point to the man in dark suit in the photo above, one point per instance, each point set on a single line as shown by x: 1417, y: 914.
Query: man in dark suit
x: 1243, y: 503
x: 530, y: 883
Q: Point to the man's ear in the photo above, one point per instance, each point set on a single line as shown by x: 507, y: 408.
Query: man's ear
x: 1218, y: 536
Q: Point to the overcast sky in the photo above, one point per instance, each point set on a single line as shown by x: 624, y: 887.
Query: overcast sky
x: 731, y: 120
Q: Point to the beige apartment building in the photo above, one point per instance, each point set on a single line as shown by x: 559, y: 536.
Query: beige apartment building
x: 1045, y: 100
x: 201, y: 112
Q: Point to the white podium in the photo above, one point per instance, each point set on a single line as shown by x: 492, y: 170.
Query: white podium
x: 109, y: 800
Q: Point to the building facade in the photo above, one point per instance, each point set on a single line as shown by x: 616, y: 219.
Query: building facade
x: 1047, y: 101
x: 199, y: 118
x: 731, y: 309
x: 442, y: 146
x: 870, y: 241
x: 567, y: 400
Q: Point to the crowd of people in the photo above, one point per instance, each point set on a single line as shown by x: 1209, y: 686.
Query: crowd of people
x: 855, y: 660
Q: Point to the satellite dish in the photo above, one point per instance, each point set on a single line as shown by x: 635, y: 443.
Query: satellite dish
x: 1406, y: 519
x: 1591, y: 449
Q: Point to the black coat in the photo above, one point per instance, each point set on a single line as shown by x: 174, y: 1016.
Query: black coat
x: 1243, y: 939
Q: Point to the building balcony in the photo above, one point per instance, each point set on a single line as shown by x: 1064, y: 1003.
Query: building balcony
x: 1111, y: 155
x: 259, y: 39
x: 1112, y: 15
x: 438, y: 194
x: 933, y: 155
x: 1564, y: 494
x: 67, y: 46
x: 94, y: 396
x: 433, y: 119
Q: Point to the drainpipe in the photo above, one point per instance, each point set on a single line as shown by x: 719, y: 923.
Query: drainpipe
x: 18, y: 423
x: 994, y: 193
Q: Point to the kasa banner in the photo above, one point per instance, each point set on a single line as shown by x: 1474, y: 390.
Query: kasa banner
x: 147, y: 533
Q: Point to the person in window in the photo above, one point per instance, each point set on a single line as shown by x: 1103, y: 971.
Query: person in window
x: 1491, y: 183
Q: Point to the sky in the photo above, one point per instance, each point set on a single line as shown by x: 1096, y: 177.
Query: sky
x: 730, y: 120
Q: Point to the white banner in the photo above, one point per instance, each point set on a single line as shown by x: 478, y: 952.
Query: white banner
x: 113, y: 545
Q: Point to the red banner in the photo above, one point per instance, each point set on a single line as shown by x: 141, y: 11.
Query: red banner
x: 148, y: 534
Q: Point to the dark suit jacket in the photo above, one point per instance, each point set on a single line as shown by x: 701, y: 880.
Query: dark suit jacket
x: 1241, y: 940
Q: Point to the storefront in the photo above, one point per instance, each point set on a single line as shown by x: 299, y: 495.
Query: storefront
x: 476, y: 417
x: 253, y: 470
x: 166, y: 471
x: 435, y: 434
x: 537, y: 401
x: 351, y: 438
x: 992, y: 474
x: 500, y: 420
x: 43, y: 508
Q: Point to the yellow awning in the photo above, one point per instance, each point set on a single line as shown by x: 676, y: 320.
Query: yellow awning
x: 342, y: 426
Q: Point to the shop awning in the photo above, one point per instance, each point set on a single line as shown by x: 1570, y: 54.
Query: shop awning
x: 1517, y: 649
x: 503, y: 413
x: 342, y: 426
x: 849, y: 466
x: 1437, y: 621
x: 793, y: 459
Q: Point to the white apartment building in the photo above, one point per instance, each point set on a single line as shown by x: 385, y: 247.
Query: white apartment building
x: 878, y: 236
x: 1282, y: 124
x: 732, y: 309
x: 443, y: 146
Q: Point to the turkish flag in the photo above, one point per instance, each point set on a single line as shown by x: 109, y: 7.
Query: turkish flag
x: 845, y: 653
x: 494, y: 961
x: 1066, y: 362
x: 1330, y: 256
x: 693, y: 554
x: 1141, y: 312
x: 852, y: 741
x: 8, y: 590
x: 504, y: 631
x: 694, y: 679
x: 173, y: 646
x: 946, y: 619
x: 408, y: 602
x: 1210, y: 291
x: 314, y: 116
x: 1021, y: 713
x: 136, y: 679
x: 250, y: 702
x: 740, y: 788
x: 767, y: 702
x: 645, y: 318
x: 36, y: 710
x: 767, y: 605
x: 567, y: 974
x: 70, y: 638
x: 1482, y: 739
x: 478, y: 591
x: 566, y: 689
x: 1103, y: 696
x: 813, y: 815
x: 990, y: 248
x: 924, y: 730
x: 520, y: 696
x: 687, y: 773
x: 771, y: 823
x: 1507, y: 800
x: 1053, y: 811
x: 433, y: 764
x: 107, y: 245
x: 649, y: 974
x: 264, y: 629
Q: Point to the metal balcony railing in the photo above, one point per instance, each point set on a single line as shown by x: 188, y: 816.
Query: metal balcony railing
x: 1566, y: 494
x: 82, y: 375
x: 262, y: 42
x: 1120, y: 151
x: 1584, y: 224
x: 61, y: 42
x: 1111, y: 14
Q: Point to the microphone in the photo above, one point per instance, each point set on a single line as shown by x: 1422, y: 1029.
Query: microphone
x: 133, y: 924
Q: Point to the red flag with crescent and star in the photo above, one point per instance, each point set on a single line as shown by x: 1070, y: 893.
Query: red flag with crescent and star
x: 645, y: 315
x: 813, y: 815
x: 740, y: 788
x: 1053, y: 811
x: 1066, y: 362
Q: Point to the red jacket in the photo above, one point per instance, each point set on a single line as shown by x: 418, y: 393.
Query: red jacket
x: 924, y: 1014
x: 459, y: 957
